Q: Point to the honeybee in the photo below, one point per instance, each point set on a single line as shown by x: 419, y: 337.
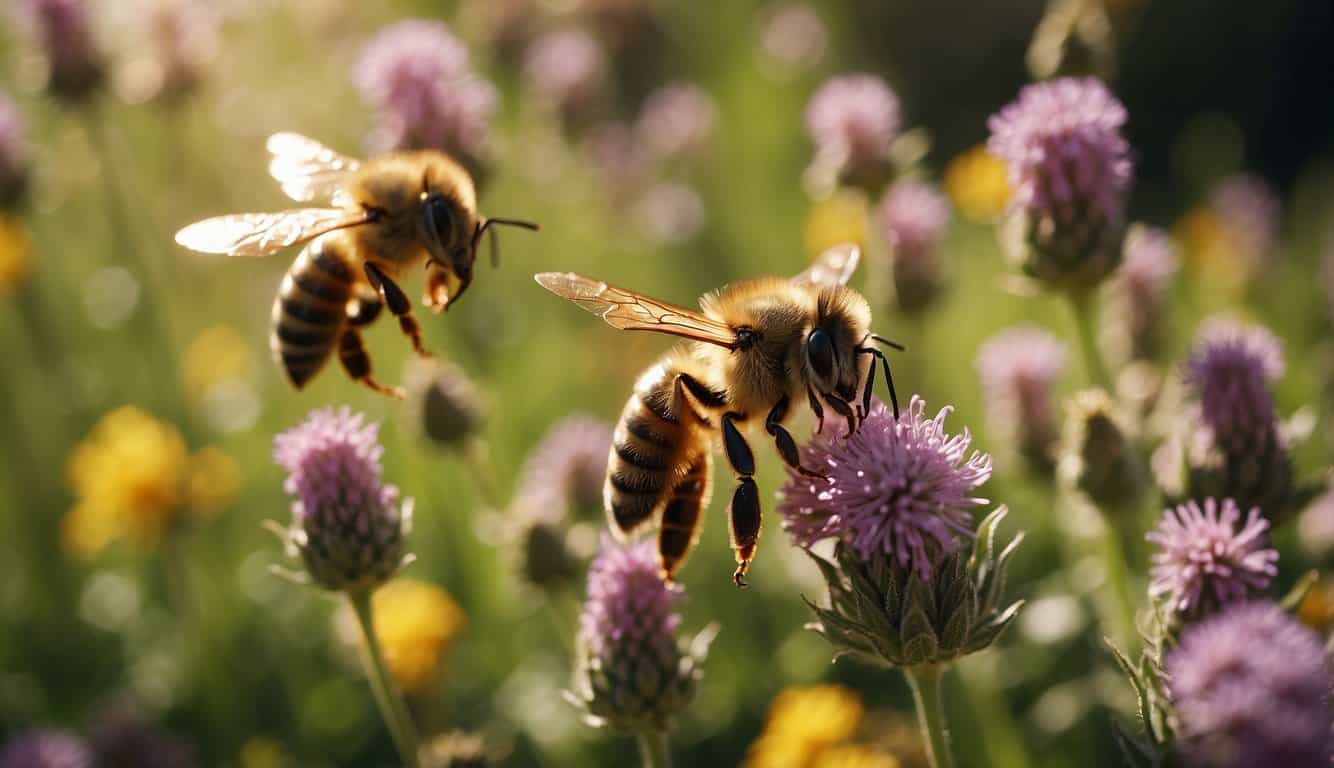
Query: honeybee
x: 759, y: 346
x: 387, y: 215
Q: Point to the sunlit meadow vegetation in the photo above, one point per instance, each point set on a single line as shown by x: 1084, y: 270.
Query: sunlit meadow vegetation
x: 1099, y: 532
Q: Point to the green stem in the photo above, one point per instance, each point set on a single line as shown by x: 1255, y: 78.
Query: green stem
x: 1082, y: 304
x: 653, y: 749
x: 925, y: 683
x: 392, y: 709
x: 1118, y: 582
x: 478, y: 458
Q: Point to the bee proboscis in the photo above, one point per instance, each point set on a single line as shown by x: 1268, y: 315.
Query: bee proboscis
x: 758, y: 347
x: 386, y: 215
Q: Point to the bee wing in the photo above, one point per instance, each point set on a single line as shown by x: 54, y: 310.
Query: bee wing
x: 307, y: 169
x: 630, y: 311
x: 260, y: 234
x: 833, y: 267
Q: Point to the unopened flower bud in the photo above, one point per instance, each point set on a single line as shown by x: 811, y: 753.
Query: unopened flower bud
x: 1135, y: 319
x: 1019, y: 368
x: 14, y: 158
x: 1098, y: 458
x: 852, y: 119
x: 444, y: 403
x: 63, y: 30
x: 913, y: 218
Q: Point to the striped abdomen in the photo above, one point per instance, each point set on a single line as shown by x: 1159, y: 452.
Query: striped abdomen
x: 311, y: 308
x: 660, y: 462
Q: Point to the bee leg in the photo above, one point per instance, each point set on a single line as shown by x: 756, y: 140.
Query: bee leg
x: 680, y: 516
x: 787, y: 447
x: 365, y: 309
x: 743, y: 514
x: 398, y: 304
x: 352, y: 354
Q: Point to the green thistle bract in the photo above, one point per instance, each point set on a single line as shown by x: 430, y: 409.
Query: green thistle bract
x: 885, y: 614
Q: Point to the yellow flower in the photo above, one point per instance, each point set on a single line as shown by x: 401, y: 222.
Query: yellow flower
x: 1213, y: 248
x: 415, y: 622
x: 263, y: 752
x: 975, y: 181
x: 219, y: 353
x: 840, y: 218
x: 1317, y: 607
x: 802, y: 723
x: 133, y: 477
x: 854, y: 756
x: 14, y: 247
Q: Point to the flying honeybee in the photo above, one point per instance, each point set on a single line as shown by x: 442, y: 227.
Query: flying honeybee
x: 386, y: 216
x: 759, y: 346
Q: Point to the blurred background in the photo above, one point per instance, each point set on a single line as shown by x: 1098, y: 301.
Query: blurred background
x: 662, y: 146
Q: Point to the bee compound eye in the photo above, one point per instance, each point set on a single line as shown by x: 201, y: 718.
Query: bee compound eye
x: 820, y: 353
x: 440, y: 214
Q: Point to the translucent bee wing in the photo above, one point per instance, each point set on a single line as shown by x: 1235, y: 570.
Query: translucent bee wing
x: 260, y: 234
x: 631, y: 311
x: 833, y: 267
x: 307, y: 169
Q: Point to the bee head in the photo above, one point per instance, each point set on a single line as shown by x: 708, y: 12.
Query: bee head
x: 831, y: 360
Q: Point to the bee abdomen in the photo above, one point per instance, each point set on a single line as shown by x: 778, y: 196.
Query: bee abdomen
x: 310, y: 311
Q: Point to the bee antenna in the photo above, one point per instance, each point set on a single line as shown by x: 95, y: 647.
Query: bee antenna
x: 495, y: 242
x: 889, y: 379
x: 888, y: 343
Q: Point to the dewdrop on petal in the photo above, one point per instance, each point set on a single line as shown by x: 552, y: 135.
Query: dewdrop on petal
x: 347, y: 526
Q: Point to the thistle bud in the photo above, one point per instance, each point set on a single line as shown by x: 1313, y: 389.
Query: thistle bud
x: 852, y: 120
x: 567, y: 70
x: 1069, y: 167
x: 443, y: 402
x: 913, y: 218
x: 63, y: 30
x: 1019, y: 368
x: 632, y: 672
x: 884, y: 613
x: 1135, y: 322
x: 14, y: 158
x: 1098, y: 459
x: 347, y: 526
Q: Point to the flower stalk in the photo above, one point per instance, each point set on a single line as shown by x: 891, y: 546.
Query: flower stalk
x: 1086, y: 329
x: 653, y: 750
x: 387, y: 697
x: 924, y: 680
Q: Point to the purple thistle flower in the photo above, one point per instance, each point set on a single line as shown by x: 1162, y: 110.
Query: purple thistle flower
x: 632, y: 671
x: 567, y: 468
x: 1148, y: 264
x: 913, y: 217
x: 1208, y: 557
x: 1250, y: 687
x: 629, y: 605
x: 1251, y: 211
x: 566, y: 68
x: 1230, y: 370
x: 14, y: 155
x: 1065, y: 155
x: 1019, y: 367
x: 900, y: 487
x: 416, y: 74
x: 122, y: 738
x: 63, y: 29
x: 347, y: 524
x: 45, y: 749
x: 677, y: 119
x: 853, y: 119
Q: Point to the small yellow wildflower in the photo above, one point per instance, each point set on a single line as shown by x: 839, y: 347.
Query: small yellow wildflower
x: 975, y: 181
x: 219, y: 353
x: 854, y: 756
x: 840, y: 218
x: 263, y: 752
x: 1213, y: 248
x: 14, y: 249
x: 133, y: 477
x: 802, y: 723
x: 415, y: 622
x: 1317, y: 607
